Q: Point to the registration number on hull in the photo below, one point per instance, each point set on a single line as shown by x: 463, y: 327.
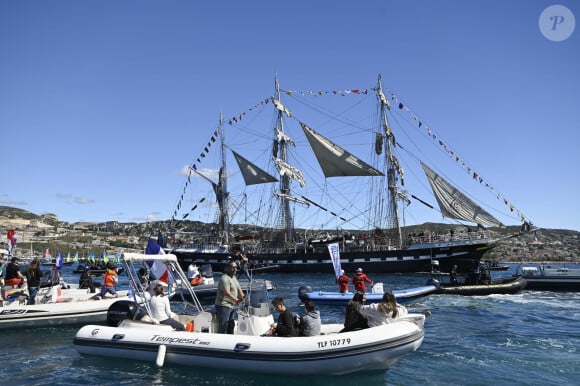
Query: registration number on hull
x: 333, y: 343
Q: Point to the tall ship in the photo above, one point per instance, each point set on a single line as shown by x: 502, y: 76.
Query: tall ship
x: 298, y: 188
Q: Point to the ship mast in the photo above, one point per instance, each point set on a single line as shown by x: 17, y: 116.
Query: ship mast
x: 222, y: 189
x: 285, y: 217
x: 393, y: 226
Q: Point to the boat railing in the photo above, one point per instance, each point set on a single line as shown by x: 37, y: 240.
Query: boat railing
x: 176, y: 280
x: 433, y: 237
x: 203, y: 247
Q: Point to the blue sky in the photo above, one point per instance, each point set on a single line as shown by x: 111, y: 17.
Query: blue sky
x: 102, y: 103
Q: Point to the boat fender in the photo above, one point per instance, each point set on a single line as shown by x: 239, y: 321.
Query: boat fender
x: 161, y: 355
x: 302, y: 291
x: 189, y: 327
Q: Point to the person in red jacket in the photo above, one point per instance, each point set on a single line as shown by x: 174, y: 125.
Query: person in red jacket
x: 110, y: 281
x: 342, y: 282
x: 360, y: 279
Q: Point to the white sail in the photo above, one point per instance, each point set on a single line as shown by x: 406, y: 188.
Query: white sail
x: 334, y: 160
x: 454, y: 204
x: 252, y: 174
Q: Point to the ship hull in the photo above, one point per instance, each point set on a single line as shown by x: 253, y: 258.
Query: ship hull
x: 419, y: 258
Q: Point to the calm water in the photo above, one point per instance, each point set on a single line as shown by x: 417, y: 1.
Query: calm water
x: 529, y: 338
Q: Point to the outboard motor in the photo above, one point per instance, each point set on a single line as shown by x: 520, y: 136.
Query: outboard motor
x: 123, y: 309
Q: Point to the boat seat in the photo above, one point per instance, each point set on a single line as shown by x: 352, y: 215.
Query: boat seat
x: 203, y: 322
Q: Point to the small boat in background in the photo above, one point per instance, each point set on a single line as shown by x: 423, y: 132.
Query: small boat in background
x: 47, y: 260
x: 499, y: 286
x: 340, y: 299
x: 495, y: 266
x: 546, y: 277
x: 57, y: 303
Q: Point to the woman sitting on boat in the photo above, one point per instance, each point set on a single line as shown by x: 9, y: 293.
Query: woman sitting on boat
x: 310, y: 322
x: 384, y: 312
x: 354, y: 319
x: 161, y: 310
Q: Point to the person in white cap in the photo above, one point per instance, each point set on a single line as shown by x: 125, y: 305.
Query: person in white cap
x: 360, y: 280
x: 342, y: 282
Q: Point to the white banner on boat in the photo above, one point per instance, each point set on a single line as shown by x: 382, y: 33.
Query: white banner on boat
x: 335, y: 257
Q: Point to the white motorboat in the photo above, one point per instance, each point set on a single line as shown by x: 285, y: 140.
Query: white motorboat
x: 248, y: 349
x: 546, y: 277
x: 54, y: 306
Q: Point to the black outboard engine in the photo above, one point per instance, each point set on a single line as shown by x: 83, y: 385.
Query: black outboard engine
x: 123, y: 309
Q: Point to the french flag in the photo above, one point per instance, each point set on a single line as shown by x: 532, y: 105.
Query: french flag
x: 11, y: 240
x: 157, y: 268
x: 58, y: 264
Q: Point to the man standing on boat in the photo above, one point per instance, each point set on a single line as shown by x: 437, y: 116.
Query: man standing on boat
x: 229, y: 295
x: 360, y: 279
x: 342, y: 282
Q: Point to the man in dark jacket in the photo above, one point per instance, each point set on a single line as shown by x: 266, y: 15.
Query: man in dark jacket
x: 285, y: 325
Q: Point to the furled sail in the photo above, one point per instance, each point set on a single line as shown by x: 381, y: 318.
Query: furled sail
x: 334, y: 160
x: 252, y: 174
x: 291, y: 198
x: 384, y: 99
x: 281, y: 107
x: 454, y: 204
x: 291, y: 172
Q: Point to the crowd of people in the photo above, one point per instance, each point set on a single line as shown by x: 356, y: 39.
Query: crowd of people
x: 33, y: 278
x: 358, y: 315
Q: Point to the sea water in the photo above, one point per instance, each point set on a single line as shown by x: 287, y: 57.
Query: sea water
x: 530, y: 338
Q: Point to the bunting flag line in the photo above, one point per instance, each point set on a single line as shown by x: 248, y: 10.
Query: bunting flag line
x: 206, y: 150
x: 238, y: 118
x: 332, y: 92
x: 459, y: 160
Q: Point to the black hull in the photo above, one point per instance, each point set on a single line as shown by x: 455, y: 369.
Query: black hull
x: 466, y: 255
x: 506, y: 286
x: 547, y: 283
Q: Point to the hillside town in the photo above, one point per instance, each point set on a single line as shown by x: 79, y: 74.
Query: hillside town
x: 36, y: 234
